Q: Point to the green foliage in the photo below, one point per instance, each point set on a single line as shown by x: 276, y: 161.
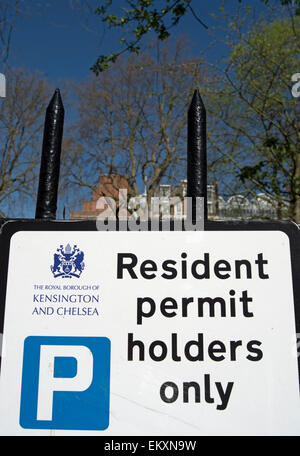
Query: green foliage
x: 293, y: 3
x: 140, y: 17
x: 265, y: 62
x: 256, y: 171
x: 260, y: 68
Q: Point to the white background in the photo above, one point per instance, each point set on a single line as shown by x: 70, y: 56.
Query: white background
x: 265, y: 395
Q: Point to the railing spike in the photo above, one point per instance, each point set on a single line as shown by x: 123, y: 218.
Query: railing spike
x: 196, y: 153
x: 50, y: 161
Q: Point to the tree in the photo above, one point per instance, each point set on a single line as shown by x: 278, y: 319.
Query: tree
x: 141, y: 17
x: 260, y: 117
x: 132, y: 120
x: 22, y: 115
x: 9, y: 10
x: 293, y: 3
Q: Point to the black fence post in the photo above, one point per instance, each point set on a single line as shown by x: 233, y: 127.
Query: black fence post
x: 196, y: 154
x: 50, y: 161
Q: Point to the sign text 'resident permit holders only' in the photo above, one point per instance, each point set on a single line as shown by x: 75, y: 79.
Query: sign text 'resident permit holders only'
x: 150, y: 333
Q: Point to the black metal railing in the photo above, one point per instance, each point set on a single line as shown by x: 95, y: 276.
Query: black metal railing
x: 46, y: 203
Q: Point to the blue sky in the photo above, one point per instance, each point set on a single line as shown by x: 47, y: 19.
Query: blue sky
x: 63, y: 43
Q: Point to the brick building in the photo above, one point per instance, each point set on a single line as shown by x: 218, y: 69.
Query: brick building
x: 236, y: 207
x: 108, y: 186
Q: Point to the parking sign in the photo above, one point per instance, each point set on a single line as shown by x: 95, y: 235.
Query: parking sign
x: 150, y: 333
x: 65, y: 383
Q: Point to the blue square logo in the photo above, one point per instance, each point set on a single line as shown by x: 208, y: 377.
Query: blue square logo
x: 65, y: 383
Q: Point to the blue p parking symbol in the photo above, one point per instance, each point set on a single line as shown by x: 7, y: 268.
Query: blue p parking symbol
x: 65, y: 383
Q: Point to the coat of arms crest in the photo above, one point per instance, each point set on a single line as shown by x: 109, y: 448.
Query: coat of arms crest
x: 68, y: 262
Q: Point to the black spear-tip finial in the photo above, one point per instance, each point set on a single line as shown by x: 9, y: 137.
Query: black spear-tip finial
x: 196, y: 153
x: 50, y: 161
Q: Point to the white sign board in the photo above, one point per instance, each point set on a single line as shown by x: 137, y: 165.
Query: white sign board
x: 150, y: 333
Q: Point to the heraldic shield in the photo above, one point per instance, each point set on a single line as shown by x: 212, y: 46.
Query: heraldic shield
x: 68, y: 262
